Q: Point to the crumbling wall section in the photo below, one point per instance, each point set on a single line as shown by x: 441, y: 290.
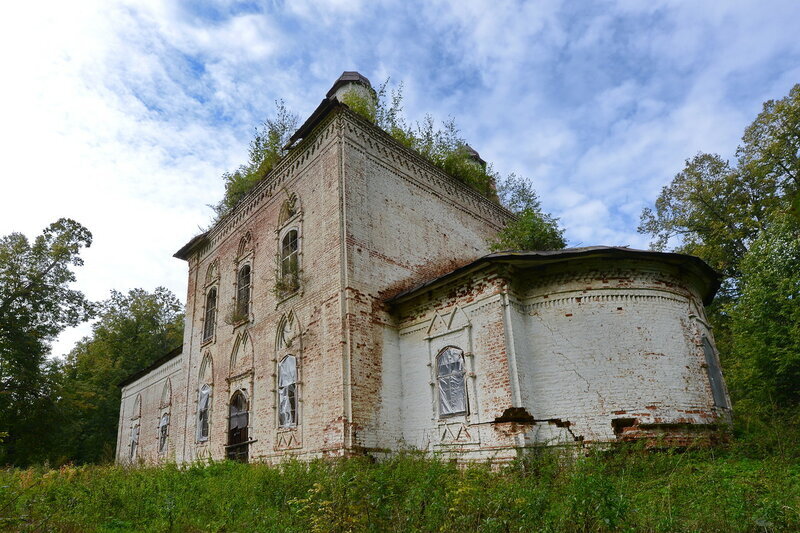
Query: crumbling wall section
x: 615, y: 349
x: 406, y: 222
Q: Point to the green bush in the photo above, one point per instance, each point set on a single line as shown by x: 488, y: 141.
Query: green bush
x: 622, y: 489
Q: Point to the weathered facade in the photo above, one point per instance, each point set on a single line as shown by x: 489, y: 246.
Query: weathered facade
x: 348, y: 305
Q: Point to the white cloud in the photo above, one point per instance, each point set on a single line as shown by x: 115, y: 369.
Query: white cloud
x: 124, y: 114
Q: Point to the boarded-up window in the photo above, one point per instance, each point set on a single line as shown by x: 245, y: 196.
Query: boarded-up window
x: 714, y: 374
x: 450, y: 379
x: 211, y: 313
x: 287, y: 392
x: 163, y: 432
x: 243, y: 292
x: 238, y: 418
x: 203, y: 405
x: 134, y: 441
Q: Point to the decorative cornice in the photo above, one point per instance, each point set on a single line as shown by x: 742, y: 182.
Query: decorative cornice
x: 154, y: 376
x: 419, y: 171
x: 292, y: 164
x: 577, y: 298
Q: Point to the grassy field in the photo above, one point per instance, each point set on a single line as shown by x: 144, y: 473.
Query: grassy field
x: 625, y: 489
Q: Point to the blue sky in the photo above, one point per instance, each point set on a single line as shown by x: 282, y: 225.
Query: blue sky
x: 123, y: 115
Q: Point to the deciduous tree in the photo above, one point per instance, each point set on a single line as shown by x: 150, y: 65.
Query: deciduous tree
x: 133, y: 330
x: 36, y: 303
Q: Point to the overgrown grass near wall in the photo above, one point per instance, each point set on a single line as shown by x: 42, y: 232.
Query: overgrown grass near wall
x: 620, y: 490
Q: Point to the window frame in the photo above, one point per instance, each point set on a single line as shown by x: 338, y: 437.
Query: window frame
x: 714, y: 373
x: 463, y: 379
x: 290, y: 218
x: 134, y: 441
x: 201, y: 421
x: 291, y: 391
x: 233, y: 450
x: 210, y: 336
x: 163, y: 434
x: 243, y: 314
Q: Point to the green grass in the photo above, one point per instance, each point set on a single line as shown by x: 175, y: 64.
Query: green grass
x: 621, y: 490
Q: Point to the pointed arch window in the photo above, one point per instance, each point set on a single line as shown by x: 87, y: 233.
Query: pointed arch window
x: 243, y: 292
x: 203, y: 412
x: 287, y: 392
x: 289, y: 263
x: 163, y: 432
x: 238, y: 419
x: 134, y: 441
x: 450, y: 380
x: 211, y: 315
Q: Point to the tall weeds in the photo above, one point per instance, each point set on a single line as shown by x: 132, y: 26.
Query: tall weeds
x: 625, y: 489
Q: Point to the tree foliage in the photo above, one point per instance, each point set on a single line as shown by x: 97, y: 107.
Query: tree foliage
x: 765, y: 319
x: 443, y: 146
x: 36, y: 303
x: 715, y: 210
x: 533, y: 229
x: 742, y: 219
x: 133, y: 330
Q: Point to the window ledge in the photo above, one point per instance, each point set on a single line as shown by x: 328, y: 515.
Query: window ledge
x: 251, y: 441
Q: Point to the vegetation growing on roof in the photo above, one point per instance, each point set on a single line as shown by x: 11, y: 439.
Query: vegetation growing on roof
x: 443, y: 146
x: 266, y: 150
x: 533, y: 229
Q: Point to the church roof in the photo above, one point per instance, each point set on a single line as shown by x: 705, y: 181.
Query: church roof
x: 157, y: 363
x: 348, y: 76
x: 531, y: 258
x: 183, y: 253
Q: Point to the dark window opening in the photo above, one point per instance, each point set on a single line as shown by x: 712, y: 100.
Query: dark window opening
x: 238, y: 419
x: 714, y: 374
x: 243, y: 293
x: 289, y: 262
x: 211, y: 313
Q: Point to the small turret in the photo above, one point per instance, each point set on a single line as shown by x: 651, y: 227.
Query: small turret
x: 351, y: 81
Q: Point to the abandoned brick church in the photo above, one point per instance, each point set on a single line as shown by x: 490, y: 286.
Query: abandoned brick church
x: 349, y: 305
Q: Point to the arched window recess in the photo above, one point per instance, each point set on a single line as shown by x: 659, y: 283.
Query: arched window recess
x: 203, y: 413
x: 241, y: 311
x: 450, y: 381
x: 238, y: 445
x: 287, y: 392
x: 210, y: 316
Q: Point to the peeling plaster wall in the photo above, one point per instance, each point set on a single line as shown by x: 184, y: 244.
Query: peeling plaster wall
x: 406, y: 222
x: 469, y: 316
x: 598, y: 341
